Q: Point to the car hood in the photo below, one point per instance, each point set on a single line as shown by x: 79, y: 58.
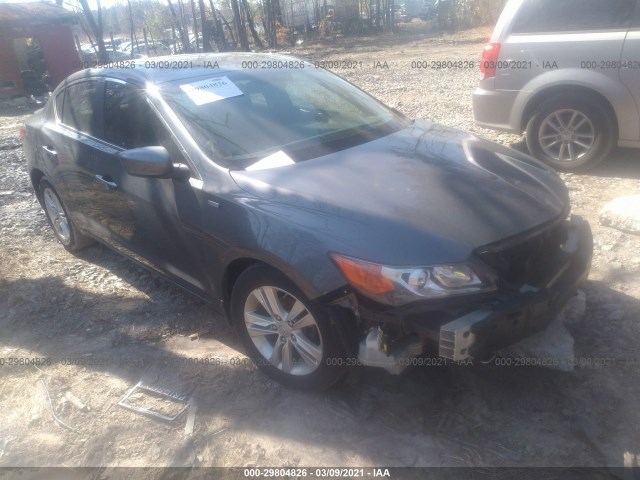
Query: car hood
x: 425, y: 194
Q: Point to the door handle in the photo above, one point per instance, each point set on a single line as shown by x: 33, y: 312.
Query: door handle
x: 107, y: 181
x: 49, y: 150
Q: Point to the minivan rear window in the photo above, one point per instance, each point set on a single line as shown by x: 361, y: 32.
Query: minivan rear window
x: 546, y: 16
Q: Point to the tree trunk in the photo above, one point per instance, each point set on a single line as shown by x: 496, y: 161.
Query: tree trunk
x: 269, y: 22
x: 233, y: 37
x: 392, y: 15
x: 131, y: 27
x: 206, y: 29
x: 96, y: 28
x: 240, y: 30
x: 218, y: 30
x: 454, y: 15
x: 292, y: 28
x: 146, y: 42
x: 183, y: 18
x: 195, y: 24
x: 252, y: 27
x: 277, y: 11
x: 184, y: 38
x: 387, y: 16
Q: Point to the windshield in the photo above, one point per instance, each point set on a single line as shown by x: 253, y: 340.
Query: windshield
x: 239, y: 118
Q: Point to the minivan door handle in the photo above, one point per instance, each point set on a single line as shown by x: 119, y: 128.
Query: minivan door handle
x: 107, y: 181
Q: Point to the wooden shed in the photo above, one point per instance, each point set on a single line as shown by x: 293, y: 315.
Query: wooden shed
x: 36, y: 47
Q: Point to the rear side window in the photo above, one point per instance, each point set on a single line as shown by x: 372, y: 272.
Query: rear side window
x: 129, y: 121
x: 545, y: 16
x: 79, y: 107
x: 59, y: 104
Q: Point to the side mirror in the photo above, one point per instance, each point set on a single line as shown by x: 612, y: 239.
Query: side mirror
x: 151, y: 162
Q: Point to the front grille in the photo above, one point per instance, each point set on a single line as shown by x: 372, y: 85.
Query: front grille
x: 532, y: 261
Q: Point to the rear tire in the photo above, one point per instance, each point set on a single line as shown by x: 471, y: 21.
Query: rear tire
x: 570, y: 133
x: 67, y: 234
x: 289, y: 337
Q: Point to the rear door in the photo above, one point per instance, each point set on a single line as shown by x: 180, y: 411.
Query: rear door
x: 630, y: 63
x: 67, y: 145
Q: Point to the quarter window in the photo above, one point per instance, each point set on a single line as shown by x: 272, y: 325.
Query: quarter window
x: 59, y: 104
x: 78, y: 111
x: 545, y: 16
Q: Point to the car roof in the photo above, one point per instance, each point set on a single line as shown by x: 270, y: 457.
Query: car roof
x: 201, y: 64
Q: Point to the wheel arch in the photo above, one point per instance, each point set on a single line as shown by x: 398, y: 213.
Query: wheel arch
x: 36, y: 175
x: 586, y: 93
x: 239, y: 265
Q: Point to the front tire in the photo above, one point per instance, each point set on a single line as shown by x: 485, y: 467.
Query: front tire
x: 57, y: 216
x: 289, y: 337
x: 570, y: 133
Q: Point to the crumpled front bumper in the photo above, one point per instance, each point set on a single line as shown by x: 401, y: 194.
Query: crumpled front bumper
x: 487, y: 329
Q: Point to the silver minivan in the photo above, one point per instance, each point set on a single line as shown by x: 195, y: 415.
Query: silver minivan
x: 566, y: 72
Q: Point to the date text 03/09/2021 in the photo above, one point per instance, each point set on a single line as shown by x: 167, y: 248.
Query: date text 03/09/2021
x: 324, y: 472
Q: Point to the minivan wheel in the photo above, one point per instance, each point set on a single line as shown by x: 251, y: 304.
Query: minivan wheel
x: 287, y: 336
x: 69, y: 236
x: 569, y: 133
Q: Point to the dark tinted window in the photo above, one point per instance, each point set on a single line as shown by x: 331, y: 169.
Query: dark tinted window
x: 129, y: 121
x: 539, y: 16
x: 79, y: 109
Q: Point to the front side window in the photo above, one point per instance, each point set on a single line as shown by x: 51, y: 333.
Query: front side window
x: 301, y: 113
x: 79, y: 107
x: 545, y: 16
x: 129, y: 121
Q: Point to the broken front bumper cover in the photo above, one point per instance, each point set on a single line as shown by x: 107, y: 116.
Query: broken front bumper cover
x: 476, y: 326
x: 488, y: 329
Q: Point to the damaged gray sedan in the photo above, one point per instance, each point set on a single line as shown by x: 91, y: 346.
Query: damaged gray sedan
x: 331, y: 230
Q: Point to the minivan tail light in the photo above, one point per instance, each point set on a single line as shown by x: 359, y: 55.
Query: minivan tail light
x: 489, y: 60
x: 23, y: 132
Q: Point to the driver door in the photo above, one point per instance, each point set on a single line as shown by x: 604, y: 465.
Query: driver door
x: 139, y: 214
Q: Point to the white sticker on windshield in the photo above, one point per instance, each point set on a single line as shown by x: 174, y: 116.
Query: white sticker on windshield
x: 278, y: 159
x: 212, y: 90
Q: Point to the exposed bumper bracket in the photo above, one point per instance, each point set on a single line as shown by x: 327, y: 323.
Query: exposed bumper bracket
x: 396, y: 360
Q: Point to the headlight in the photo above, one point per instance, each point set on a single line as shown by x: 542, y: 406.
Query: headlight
x: 400, y: 285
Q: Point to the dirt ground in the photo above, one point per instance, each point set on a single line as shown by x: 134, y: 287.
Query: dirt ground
x: 104, y: 324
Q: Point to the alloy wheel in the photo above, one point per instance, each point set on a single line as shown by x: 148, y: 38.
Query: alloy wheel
x: 57, y: 215
x: 566, y: 135
x: 283, y: 330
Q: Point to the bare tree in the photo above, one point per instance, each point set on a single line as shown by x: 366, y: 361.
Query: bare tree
x: 195, y: 24
x: 133, y: 30
x: 226, y: 23
x: 184, y: 38
x: 96, y: 28
x: 240, y: 30
x: 218, y: 30
x: 184, y: 25
x: 206, y: 29
x: 252, y: 27
x: 269, y: 22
